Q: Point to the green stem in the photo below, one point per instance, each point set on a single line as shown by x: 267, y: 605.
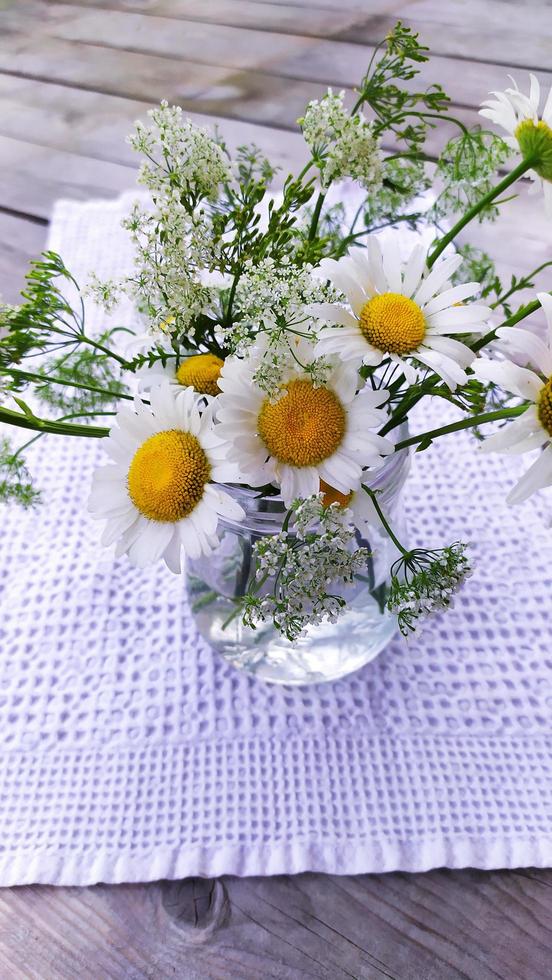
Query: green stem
x: 383, y: 519
x: 469, y: 423
x: 26, y: 445
x: 50, y: 426
x: 316, y: 216
x: 386, y: 123
x: 30, y: 376
x: 234, y: 286
x: 105, y: 350
x: 521, y: 314
x: 305, y: 170
x: 472, y: 212
x: 396, y: 420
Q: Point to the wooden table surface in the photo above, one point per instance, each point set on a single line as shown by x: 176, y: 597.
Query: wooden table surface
x: 73, y: 78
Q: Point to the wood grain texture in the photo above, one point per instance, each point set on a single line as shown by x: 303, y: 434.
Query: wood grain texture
x: 321, y: 60
x: 21, y: 239
x: 73, y: 77
x: 369, y: 22
x: 444, y: 925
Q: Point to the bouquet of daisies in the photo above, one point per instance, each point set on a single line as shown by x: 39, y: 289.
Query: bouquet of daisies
x: 281, y: 342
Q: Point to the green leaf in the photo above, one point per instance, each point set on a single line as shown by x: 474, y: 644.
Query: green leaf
x: 26, y: 409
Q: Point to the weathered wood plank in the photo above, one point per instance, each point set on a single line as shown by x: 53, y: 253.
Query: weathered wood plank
x: 515, y: 50
x: 247, y: 96
x: 94, y: 124
x: 444, y: 925
x: 300, y: 58
x: 490, y: 16
x: 285, y: 19
x: 32, y: 177
x: 365, y: 25
x: 20, y: 240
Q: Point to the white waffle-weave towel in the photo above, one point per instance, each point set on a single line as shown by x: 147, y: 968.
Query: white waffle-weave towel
x: 129, y: 751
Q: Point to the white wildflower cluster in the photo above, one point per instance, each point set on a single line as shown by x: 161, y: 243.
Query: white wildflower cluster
x: 180, y: 157
x: 279, y: 358
x: 296, y: 571
x: 271, y: 303
x: 343, y: 145
x: 274, y: 294
x: 424, y: 583
x: 174, y: 240
x: 167, y: 283
x: 105, y: 292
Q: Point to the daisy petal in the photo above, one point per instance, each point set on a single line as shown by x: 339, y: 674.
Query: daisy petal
x: 545, y: 300
x: 451, y: 373
x: 376, y: 264
x: 456, y: 317
x: 452, y: 348
x: 520, y: 381
x: 525, y: 342
x: 513, y: 433
x: 333, y: 314
x: 414, y: 270
x: 172, y: 554
x: 391, y: 261
x: 538, y: 475
x: 344, y: 281
x: 438, y: 276
x: 150, y: 545
x: 450, y: 296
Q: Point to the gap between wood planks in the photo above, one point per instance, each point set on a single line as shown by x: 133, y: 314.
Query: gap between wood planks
x: 296, y: 58
x: 347, y: 24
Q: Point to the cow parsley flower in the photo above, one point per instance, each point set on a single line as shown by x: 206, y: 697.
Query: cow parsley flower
x: 272, y: 314
x: 343, y: 145
x: 424, y: 582
x: 306, y: 569
x: 104, y: 292
x: 168, y: 284
x: 176, y: 247
x: 271, y: 297
x: 16, y: 482
x: 180, y: 156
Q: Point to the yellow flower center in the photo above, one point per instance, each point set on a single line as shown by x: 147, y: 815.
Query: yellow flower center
x: 535, y: 140
x: 544, y: 406
x: 393, y: 323
x: 167, y: 475
x: 201, y: 371
x: 305, y: 425
x: 332, y: 496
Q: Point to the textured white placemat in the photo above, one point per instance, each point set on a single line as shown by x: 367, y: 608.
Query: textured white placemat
x: 129, y: 751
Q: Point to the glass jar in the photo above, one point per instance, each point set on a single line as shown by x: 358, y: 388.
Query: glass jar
x: 325, y: 652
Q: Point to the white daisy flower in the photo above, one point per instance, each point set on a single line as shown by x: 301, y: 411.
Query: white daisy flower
x: 399, y: 310
x: 157, y: 495
x: 198, y: 371
x: 532, y: 429
x: 305, y: 435
x: 528, y: 133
